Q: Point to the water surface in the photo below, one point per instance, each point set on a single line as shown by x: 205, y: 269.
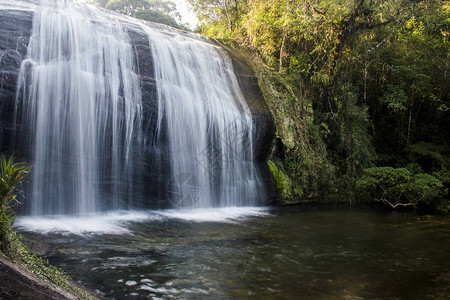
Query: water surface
x: 256, y: 253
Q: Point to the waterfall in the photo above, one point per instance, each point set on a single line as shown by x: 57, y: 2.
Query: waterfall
x: 209, y: 125
x: 81, y: 112
x: 79, y: 96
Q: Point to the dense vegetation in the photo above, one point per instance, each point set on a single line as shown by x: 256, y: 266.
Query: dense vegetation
x: 159, y: 11
x: 359, y: 90
x: 11, y: 176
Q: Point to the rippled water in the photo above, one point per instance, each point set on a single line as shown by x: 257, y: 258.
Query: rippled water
x: 264, y: 253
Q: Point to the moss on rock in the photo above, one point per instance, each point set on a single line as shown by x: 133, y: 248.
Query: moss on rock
x: 282, y: 181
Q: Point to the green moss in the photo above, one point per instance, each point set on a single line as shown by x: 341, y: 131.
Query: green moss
x: 283, y: 182
x: 49, y: 274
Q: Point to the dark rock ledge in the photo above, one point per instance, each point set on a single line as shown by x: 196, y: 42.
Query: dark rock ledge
x: 18, y: 283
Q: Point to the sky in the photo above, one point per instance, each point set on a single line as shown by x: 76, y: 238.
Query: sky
x: 187, y: 15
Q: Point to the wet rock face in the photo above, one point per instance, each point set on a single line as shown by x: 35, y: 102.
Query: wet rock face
x: 264, y: 126
x: 15, y: 32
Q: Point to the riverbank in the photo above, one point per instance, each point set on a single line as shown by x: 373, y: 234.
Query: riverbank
x: 17, y: 282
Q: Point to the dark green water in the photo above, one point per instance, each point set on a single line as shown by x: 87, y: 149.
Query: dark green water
x: 289, y: 253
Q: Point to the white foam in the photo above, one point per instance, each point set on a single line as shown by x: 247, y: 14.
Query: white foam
x: 225, y: 214
x: 106, y: 223
x: 118, y: 222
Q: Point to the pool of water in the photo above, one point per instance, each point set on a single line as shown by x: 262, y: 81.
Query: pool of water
x: 255, y: 253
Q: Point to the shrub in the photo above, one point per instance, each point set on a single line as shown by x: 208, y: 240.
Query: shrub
x: 401, y: 187
x: 11, y: 176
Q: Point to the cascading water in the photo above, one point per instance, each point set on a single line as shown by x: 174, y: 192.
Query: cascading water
x: 80, y: 108
x: 209, y: 125
x: 80, y: 98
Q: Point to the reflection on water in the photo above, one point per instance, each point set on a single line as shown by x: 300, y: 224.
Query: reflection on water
x: 289, y: 253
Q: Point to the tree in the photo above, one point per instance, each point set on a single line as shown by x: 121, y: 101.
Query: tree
x: 220, y: 18
x: 159, y: 11
x: 401, y: 187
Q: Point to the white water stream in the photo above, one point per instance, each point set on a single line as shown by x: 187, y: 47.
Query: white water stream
x: 81, y: 98
x: 209, y: 124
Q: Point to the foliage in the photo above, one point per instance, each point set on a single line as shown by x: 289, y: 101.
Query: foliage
x: 444, y: 177
x: 219, y: 18
x: 400, y: 187
x: 434, y: 157
x: 302, y: 152
x: 159, y: 11
x: 11, y: 176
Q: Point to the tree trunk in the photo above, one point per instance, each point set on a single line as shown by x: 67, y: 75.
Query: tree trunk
x: 282, y: 50
x: 227, y: 13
